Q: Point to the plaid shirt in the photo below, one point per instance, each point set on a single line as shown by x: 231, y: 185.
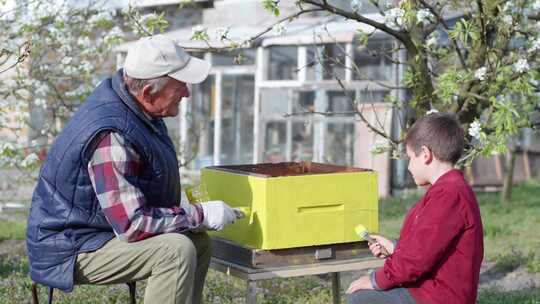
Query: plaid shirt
x: 113, y: 164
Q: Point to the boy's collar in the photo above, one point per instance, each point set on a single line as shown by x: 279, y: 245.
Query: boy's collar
x: 448, y: 175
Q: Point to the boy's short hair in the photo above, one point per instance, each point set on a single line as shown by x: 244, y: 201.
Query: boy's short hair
x: 439, y: 132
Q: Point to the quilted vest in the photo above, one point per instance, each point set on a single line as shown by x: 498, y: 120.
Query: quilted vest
x: 65, y: 217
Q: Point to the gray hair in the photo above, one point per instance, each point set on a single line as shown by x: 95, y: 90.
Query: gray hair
x: 135, y: 85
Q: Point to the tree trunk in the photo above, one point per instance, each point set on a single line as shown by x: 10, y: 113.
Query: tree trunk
x: 422, y: 87
x: 508, y: 182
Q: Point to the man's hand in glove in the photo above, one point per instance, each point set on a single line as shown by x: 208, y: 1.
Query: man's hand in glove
x: 217, y: 215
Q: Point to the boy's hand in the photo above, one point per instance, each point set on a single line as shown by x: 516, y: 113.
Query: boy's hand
x: 381, y: 241
x: 362, y: 283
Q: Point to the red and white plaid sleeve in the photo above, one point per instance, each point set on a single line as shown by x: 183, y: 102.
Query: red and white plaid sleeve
x: 113, y: 170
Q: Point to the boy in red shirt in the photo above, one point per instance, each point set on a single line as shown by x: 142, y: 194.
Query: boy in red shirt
x: 437, y: 258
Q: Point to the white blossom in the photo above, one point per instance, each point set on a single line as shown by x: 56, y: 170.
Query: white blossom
x: 521, y: 66
x: 6, y: 147
x: 535, y: 46
x: 394, y: 17
x: 424, y: 16
x: 65, y: 48
x: 85, y: 66
x: 114, y: 33
x: 510, y: 7
x: 432, y: 111
x: 69, y: 70
x: 475, y: 129
x: 84, y: 42
x: 41, y: 102
x: 41, y: 89
x: 379, y: 147
x: 197, y: 29
x: 536, y: 5
x: 388, y: 4
x: 356, y: 5
x: 508, y: 19
x: 221, y: 32
x: 30, y: 160
x: 103, y: 15
x: 280, y: 29
x: 480, y: 74
x: 145, y: 18
x: 433, y: 39
x: 81, y: 90
x: 66, y: 60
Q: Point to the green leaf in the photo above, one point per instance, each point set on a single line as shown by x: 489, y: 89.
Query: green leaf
x: 271, y: 6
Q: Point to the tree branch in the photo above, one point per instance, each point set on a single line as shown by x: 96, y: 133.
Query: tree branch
x: 362, y: 19
x: 249, y: 42
x: 447, y: 28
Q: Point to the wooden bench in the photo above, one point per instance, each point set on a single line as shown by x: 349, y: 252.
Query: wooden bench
x: 252, y: 265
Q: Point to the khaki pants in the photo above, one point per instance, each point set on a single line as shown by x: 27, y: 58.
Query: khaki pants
x: 174, y: 264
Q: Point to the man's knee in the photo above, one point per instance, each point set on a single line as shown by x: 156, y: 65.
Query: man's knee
x: 179, y: 248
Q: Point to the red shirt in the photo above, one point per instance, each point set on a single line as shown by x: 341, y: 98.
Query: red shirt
x: 441, y: 245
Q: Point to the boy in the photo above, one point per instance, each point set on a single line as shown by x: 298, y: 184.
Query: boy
x: 437, y: 258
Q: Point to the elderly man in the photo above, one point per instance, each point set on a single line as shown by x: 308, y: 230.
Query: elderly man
x: 113, y: 171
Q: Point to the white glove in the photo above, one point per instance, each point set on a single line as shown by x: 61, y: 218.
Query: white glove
x: 217, y: 215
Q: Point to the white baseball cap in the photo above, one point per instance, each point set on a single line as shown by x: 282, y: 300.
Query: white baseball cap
x: 157, y: 56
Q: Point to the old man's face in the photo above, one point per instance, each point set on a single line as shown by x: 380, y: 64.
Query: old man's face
x: 166, y: 101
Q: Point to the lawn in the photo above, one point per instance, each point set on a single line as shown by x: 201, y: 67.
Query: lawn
x: 511, y: 240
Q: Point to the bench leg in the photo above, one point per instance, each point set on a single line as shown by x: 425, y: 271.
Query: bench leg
x: 336, y: 289
x: 132, y: 292
x: 251, y: 294
x: 34, y: 293
x: 51, y: 295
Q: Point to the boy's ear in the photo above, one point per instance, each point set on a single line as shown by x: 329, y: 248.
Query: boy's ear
x: 427, y: 155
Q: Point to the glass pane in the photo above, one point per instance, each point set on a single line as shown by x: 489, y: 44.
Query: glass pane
x: 274, y: 102
x: 302, y: 139
x: 371, y: 96
x: 282, y: 63
x: 373, y: 61
x: 234, y: 57
x: 339, y: 144
x: 237, y: 119
x: 334, y: 61
x: 313, y: 66
x: 340, y: 101
x: 325, y: 62
x: 201, y: 125
x: 275, y: 141
x: 305, y: 103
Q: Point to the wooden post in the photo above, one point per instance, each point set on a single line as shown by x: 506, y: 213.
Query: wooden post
x: 251, y: 295
x: 336, y: 289
x: 217, y: 120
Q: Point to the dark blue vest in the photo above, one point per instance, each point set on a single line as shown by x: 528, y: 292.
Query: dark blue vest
x: 65, y: 217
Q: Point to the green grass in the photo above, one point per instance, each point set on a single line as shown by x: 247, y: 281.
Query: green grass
x: 510, y: 235
x: 512, y: 227
x: 10, y: 230
x: 523, y: 296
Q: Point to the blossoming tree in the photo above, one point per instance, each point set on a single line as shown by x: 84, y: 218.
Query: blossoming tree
x: 477, y: 59
x: 53, y: 54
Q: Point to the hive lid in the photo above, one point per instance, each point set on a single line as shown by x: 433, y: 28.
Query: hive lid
x: 268, y: 170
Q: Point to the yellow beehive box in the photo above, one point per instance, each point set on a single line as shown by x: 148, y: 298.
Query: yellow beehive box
x: 295, y: 204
